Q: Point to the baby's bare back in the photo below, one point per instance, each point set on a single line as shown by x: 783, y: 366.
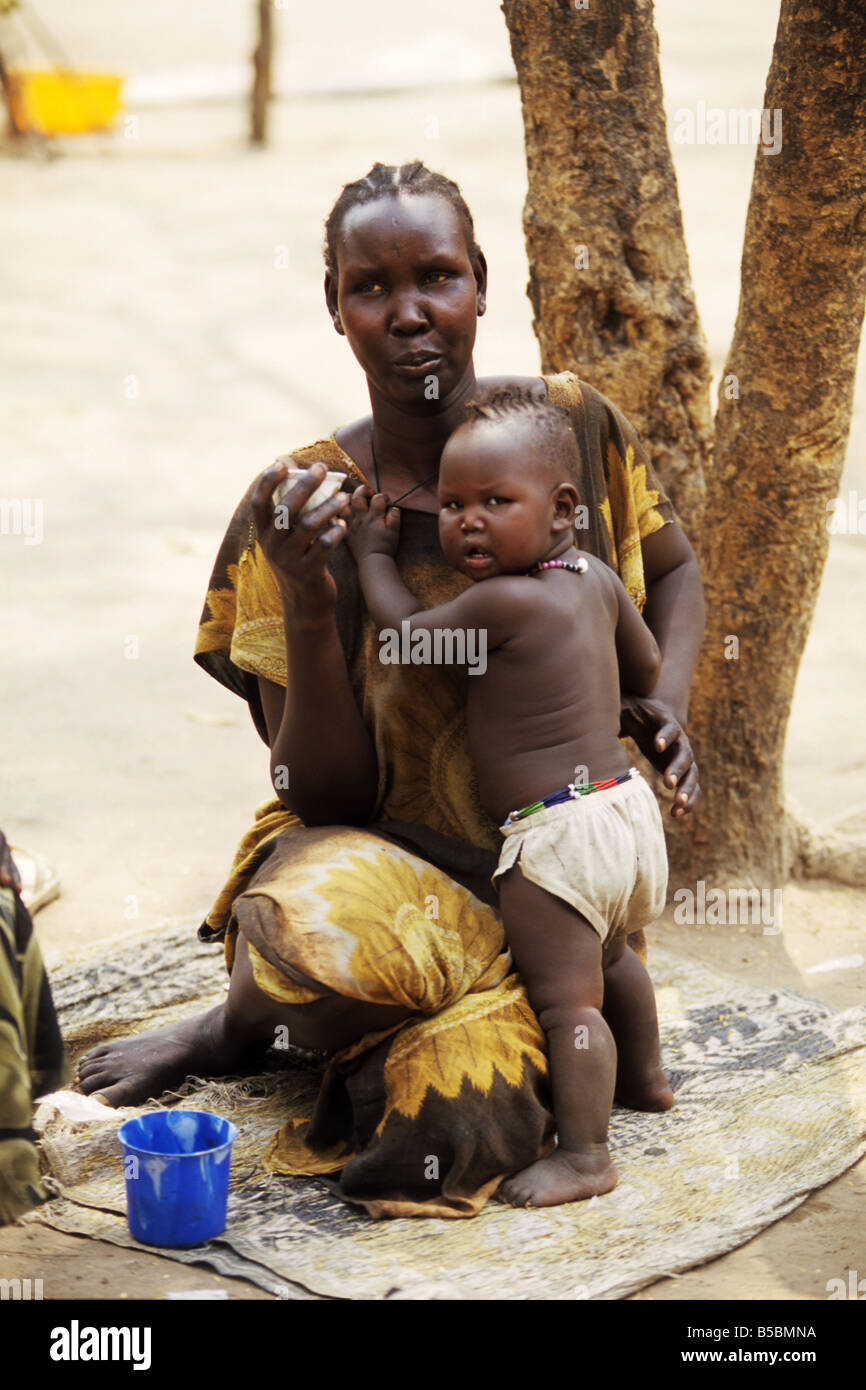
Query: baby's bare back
x: 549, y: 700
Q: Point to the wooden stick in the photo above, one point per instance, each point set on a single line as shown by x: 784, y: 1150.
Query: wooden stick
x: 261, y: 76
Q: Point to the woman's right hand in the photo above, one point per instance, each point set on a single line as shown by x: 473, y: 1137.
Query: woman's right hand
x: 298, y: 547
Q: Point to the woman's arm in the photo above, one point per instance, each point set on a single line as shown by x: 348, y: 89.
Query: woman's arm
x: 636, y: 649
x: 674, y: 613
x: 323, y: 763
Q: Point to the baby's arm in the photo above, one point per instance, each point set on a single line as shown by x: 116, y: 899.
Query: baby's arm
x: 372, y: 538
x: 636, y: 648
x: 374, y: 530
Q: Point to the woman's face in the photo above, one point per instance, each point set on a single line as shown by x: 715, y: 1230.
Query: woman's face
x: 407, y: 296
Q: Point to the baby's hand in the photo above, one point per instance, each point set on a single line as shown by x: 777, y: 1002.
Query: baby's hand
x: 374, y: 527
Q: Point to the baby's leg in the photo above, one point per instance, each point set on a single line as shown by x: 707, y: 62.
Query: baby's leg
x: 559, y: 958
x: 630, y: 1011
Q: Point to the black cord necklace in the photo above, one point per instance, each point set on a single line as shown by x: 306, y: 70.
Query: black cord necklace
x: 431, y: 479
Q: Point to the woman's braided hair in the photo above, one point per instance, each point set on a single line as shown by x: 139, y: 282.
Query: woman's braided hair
x: 389, y: 180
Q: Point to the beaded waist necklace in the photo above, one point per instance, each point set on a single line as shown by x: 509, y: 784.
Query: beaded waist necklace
x: 569, y: 793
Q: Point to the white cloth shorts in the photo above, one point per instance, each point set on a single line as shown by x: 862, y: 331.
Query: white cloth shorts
x: 603, y: 854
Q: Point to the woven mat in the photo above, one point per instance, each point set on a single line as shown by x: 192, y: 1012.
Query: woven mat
x: 770, y: 1105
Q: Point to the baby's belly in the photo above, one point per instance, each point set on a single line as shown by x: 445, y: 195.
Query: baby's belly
x: 510, y: 777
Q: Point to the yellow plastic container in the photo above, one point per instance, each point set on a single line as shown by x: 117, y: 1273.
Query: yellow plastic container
x: 64, y: 103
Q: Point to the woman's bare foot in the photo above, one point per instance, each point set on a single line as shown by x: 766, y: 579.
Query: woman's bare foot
x: 644, y: 1088
x: 562, y: 1177
x: 131, y: 1070
x: 223, y: 1039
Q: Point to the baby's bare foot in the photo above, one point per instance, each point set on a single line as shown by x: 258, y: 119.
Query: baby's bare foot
x: 646, y: 1088
x: 563, y: 1177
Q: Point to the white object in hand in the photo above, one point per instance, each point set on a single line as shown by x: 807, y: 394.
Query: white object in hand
x: 330, y: 484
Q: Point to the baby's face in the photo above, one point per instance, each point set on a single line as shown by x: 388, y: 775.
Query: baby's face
x: 496, y: 506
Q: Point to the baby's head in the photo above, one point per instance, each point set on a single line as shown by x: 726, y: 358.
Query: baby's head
x: 507, y: 493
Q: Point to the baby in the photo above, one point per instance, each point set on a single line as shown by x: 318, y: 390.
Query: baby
x: 583, y: 860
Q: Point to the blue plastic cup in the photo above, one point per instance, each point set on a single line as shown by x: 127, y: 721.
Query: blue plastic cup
x: 176, y: 1165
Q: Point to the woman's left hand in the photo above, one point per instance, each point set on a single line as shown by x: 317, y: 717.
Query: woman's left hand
x: 662, y: 739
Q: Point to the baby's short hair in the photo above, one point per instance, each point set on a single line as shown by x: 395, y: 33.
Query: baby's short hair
x: 504, y: 403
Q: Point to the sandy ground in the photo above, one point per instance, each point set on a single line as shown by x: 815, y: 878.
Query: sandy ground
x: 158, y: 358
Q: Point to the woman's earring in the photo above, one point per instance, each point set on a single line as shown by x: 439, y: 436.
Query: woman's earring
x: 337, y: 323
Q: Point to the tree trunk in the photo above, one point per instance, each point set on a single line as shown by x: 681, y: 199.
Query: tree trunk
x: 611, y: 292
x: 780, y: 447
x: 261, y: 93
x: 608, y: 271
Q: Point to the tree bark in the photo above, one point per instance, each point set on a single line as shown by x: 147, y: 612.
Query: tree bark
x: 609, y: 277
x: 261, y: 93
x: 612, y: 298
x: 780, y: 447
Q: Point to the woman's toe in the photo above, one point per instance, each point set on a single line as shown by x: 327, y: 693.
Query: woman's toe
x: 91, y: 1060
x: 512, y: 1192
x: 86, y: 1069
x: 121, y: 1093
x: 97, y: 1077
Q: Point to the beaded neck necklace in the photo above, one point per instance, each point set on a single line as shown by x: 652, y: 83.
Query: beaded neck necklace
x: 580, y: 567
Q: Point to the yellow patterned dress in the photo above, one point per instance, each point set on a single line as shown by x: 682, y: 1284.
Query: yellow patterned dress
x: 427, y: 1118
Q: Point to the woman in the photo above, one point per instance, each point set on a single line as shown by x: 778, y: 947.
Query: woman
x: 359, y: 913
